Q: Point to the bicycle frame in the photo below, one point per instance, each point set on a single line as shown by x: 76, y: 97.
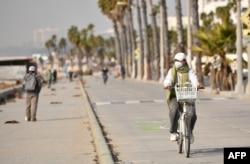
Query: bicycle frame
x: 184, y: 132
x: 185, y: 93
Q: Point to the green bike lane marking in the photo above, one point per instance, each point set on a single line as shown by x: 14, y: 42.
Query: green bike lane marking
x: 146, y: 125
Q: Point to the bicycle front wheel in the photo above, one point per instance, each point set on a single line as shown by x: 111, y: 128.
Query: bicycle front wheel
x: 180, y: 142
x: 187, y: 135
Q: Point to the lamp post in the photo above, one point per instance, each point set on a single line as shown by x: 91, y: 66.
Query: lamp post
x: 161, y: 46
x: 239, y: 88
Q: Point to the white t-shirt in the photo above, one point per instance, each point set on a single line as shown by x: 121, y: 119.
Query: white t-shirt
x: 191, y: 75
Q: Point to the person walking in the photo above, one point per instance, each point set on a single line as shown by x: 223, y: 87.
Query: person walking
x: 70, y: 71
x: 49, y: 77
x: 54, y: 76
x: 32, y: 86
x: 123, y: 72
x: 180, y: 73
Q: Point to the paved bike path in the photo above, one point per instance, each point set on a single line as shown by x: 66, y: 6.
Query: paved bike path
x: 135, y: 120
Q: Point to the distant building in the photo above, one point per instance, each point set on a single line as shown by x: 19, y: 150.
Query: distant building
x: 206, y: 6
x: 40, y: 36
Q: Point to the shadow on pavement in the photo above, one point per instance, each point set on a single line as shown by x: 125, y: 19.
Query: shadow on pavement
x: 207, y: 152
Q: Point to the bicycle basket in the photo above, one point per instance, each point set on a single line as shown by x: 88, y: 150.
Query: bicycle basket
x: 186, y: 92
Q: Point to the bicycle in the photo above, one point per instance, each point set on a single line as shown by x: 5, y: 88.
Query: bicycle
x: 185, y: 93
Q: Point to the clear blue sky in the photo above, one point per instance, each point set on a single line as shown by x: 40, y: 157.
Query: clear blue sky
x: 19, y: 18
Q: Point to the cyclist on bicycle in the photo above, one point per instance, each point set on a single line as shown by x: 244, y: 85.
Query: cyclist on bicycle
x: 180, y: 73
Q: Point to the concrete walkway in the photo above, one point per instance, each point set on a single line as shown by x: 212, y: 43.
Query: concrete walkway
x: 61, y: 133
x: 67, y: 130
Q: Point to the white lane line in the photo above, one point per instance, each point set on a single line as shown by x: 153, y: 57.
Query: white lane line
x: 159, y: 101
x: 132, y: 102
x: 102, y: 103
x: 150, y: 101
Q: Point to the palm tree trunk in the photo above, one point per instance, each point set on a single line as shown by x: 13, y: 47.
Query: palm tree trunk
x: 166, y: 37
x: 147, y: 69
x: 129, y: 43
x: 117, y: 42
x: 180, y: 35
x: 125, y: 47
x: 132, y: 40
x: 156, y: 41
x: 195, y: 19
x: 141, y: 51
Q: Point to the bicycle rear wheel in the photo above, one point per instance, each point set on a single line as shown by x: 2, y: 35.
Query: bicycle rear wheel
x: 187, y: 138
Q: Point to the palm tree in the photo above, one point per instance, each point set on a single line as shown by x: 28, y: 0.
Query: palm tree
x: 131, y: 39
x: 62, y: 45
x: 167, y: 49
x: 180, y: 34
x: 195, y: 27
x: 49, y: 44
x: 62, y: 49
x: 108, y: 8
x: 147, y: 60
x: 90, y: 28
x: 140, y: 42
x: 74, y: 38
x: 156, y: 39
x: 120, y: 8
x: 218, y: 39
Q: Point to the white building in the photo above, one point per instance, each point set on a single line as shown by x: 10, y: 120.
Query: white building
x: 206, y: 6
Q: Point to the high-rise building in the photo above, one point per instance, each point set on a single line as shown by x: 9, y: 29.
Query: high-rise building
x: 40, y: 36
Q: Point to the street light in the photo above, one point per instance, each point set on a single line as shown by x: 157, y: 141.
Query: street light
x: 239, y: 88
x: 161, y: 46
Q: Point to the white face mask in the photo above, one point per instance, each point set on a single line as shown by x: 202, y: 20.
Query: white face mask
x: 177, y: 64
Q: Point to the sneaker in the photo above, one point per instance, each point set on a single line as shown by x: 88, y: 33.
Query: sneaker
x: 26, y: 118
x: 192, y: 138
x: 33, y: 119
x: 173, y: 137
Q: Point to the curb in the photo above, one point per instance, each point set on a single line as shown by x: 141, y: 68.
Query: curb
x: 103, y: 152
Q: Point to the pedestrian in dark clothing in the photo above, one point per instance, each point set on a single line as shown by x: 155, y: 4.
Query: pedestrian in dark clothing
x: 70, y: 71
x: 54, y: 76
x: 105, y: 74
x: 123, y: 71
x: 32, y: 86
